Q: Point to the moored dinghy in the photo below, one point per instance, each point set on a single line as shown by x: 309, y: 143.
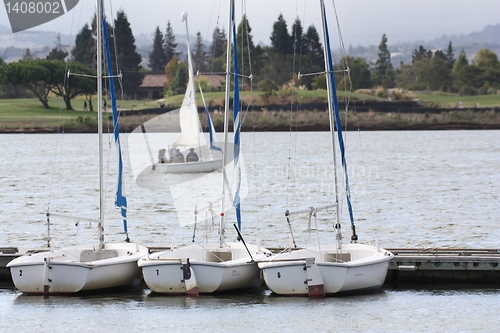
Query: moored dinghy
x: 323, y: 270
x: 207, y: 267
x: 88, y: 267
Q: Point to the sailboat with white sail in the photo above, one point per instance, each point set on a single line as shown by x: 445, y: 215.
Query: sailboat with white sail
x: 87, y: 267
x: 206, y: 266
x: 327, y: 269
x: 191, y: 138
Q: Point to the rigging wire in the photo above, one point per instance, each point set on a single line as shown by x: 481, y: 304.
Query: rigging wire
x: 60, y: 129
x: 246, y: 33
x: 123, y: 144
x: 214, y: 44
x: 347, y: 98
x: 366, y: 175
x: 293, y: 143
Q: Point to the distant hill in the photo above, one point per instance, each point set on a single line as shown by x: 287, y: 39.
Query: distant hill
x: 40, y: 43
x: 13, y: 46
x: 401, y: 52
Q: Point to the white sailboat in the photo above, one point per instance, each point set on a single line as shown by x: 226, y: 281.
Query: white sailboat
x: 88, y: 267
x: 329, y: 269
x: 208, y: 158
x: 207, y: 267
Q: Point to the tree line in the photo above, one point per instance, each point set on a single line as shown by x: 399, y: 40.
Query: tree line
x: 273, y: 67
x: 40, y: 77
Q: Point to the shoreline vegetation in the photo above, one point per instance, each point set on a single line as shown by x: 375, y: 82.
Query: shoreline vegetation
x: 309, y: 113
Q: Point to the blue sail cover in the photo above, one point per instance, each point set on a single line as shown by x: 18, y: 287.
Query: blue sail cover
x: 236, y: 124
x: 120, y: 200
x: 338, y: 124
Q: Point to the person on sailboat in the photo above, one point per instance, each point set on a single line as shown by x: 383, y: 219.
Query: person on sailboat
x: 171, y: 152
x: 179, y: 157
x: 191, y: 156
x: 162, y: 157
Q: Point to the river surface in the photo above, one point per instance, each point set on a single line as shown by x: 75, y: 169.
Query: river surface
x: 418, y: 189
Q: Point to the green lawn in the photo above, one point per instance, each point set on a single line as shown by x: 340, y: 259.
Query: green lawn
x: 437, y: 100
x: 14, y: 110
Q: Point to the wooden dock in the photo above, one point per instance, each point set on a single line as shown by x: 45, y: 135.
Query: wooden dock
x: 409, y: 266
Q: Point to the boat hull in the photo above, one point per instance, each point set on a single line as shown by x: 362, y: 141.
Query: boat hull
x: 315, y: 273
x: 77, y: 269
x: 190, y: 167
x: 195, y: 270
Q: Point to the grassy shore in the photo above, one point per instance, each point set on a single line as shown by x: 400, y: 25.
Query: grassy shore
x: 28, y: 115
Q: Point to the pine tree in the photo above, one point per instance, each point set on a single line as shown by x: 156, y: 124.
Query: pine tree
x: 281, y: 41
x: 450, y: 55
x: 199, y: 54
x: 440, y: 54
x: 217, y: 56
x: 296, y: 35
x: 312, y: 56
x: 461, y: 62
x: 84, y: 46
x: 27, y: 55
x: 57, y: 53
x: 245, y: 46
x: 157, y: 56
x: 384, y: 72
x: 420, y: 54
x: 170, y: 44
x: 311, y: 47
x: 128, y: 59
x: 219, y: 40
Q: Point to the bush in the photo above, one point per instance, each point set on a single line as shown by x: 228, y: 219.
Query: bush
x: 11, y: 91
x: 467, y: 91
x: 381, y: 92
x: 267, y: 86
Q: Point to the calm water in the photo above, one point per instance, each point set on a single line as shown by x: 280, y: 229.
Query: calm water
x: 422, y: 310
x: 409, y: 189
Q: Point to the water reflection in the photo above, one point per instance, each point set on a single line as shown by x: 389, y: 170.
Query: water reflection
x: 434, y: 308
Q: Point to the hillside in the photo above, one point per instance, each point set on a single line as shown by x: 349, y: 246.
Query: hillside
x: 402, y: 52
x: 13, y: 46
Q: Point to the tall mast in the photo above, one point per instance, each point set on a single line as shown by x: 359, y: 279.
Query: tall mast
x: 99, y: 123
x: 326, y: 45
x: 226, y: 126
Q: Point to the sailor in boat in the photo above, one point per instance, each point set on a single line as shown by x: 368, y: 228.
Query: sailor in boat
x: 192, y: 156
x: 162, y: 156
x: 179, y: 157
x: 171, y: 152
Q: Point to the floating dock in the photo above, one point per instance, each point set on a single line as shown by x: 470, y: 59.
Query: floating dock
x: 444, y: 265
x: 409, y: 266
x: 6, y: 255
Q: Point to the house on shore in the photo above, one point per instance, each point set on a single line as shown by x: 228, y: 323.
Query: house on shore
x: 154, y: 83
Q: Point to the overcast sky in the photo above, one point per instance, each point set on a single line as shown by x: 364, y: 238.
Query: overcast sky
x: 361, y: 21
